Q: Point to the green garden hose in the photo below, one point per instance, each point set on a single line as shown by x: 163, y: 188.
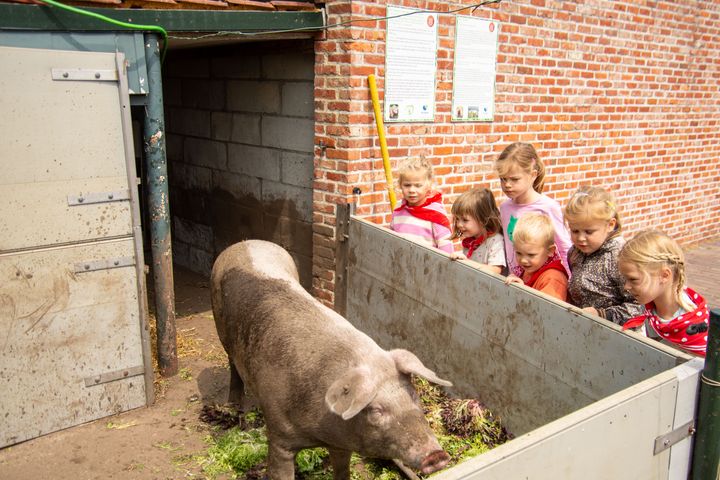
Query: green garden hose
x: 152, y: 28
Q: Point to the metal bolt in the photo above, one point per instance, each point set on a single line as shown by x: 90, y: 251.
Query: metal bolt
x: 97, y: 74
x: 117, y: 262
x: 110, y: 196
x: 87, y: 267
x: 66, y: 74
x: 81, y: 199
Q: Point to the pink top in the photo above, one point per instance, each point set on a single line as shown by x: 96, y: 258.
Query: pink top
x: 423, y: 231
x: 511, y: 211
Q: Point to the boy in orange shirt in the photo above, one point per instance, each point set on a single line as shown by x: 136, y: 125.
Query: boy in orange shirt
x: 538, y: 264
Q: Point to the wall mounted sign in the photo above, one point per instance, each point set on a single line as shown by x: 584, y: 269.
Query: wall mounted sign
x: 474, y: 70
x: 410, y: 65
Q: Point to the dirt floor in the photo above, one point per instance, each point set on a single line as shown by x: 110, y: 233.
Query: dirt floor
x: 163, y: 441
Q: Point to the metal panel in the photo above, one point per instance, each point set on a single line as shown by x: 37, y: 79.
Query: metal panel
x: 527, y: 356
x: 49, y: 156
x: 130, y: 43
x: 585, y: 399
x: 73, y: 340
x: 58, y: 327
x: 610, y: 439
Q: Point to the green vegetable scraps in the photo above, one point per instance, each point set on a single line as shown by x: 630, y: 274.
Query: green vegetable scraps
x: 464, y: 428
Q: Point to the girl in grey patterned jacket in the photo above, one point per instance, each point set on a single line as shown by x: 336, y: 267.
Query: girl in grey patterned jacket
x: 596, y: 285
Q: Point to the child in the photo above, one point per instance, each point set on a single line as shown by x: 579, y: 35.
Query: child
x: 522, y: 177
x: 654, y: 269
x: 539, y: 265
x: 476, y: 220
x: 595, y: 230
x: 421, y: 216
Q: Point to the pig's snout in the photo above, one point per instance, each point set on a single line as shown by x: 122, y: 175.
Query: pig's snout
x: 434, y: 461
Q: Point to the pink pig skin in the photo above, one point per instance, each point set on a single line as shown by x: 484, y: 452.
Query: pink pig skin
x: 319, y: 381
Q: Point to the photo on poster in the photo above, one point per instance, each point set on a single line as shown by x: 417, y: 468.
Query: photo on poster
x: 410, y: 65
x: 476, y: 44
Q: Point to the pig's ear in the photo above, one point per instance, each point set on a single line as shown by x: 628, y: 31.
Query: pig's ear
x: 351, y: 393
x: 407, y: 362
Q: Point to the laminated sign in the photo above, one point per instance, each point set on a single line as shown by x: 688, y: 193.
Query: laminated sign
x: 410, y: 65
x: 474, y: 72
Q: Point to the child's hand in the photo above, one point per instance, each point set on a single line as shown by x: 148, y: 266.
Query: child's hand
x: 590, y: 310
x: 513, y: 279
x: 457, y: 256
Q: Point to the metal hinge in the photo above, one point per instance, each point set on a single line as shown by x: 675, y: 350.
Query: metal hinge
x: 84, y: 74
x: 663, y: 442
x: 104, y: 264
x: 98, y: 197
x: 112, y: 376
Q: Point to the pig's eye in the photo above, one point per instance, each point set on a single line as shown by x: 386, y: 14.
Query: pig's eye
x: 374, y: 414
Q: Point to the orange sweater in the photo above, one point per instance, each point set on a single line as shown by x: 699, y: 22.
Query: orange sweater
x: 552, y: 282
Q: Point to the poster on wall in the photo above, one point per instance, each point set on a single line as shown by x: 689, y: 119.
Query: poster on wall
x: 474, y: 69
x: 410, y: 65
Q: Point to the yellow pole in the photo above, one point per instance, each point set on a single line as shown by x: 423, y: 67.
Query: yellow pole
x: 383, y: 142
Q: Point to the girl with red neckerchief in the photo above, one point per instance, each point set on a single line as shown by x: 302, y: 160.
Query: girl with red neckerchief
x: 653, y: 265
x: 476, y: 219
x: 421, y: 217
x: 538, y: 263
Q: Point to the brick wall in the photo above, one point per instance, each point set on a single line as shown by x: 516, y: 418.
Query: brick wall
x: 619, y: 94
x: 240, y: 141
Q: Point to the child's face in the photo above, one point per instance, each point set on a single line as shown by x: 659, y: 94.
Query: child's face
x: 644, y: 286
x: 469, y: 227
x: 516, y: 182
x: 588, y: 235
x: 415, y: 187
x: 532, y: 255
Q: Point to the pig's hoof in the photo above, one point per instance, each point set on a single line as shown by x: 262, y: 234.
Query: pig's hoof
x: 435, y: 461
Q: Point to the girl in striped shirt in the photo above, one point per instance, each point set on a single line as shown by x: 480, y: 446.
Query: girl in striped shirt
x: 421, y: 217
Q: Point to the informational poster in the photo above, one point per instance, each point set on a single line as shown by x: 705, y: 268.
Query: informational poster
x: 410, y: 65
x: 474, y: 72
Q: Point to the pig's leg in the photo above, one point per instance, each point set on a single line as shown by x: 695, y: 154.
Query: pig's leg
x: 237, y: 388
x: 281, y: 461
x: 340, y: 461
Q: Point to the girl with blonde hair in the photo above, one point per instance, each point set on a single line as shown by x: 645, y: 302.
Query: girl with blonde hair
x: 522, y: 178
x: 653, y: 265
x: 422, y: 216
x: 595, y: 285
x: 476, y: 220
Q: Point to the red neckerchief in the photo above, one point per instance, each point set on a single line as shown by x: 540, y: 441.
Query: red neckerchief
x: 675, y: 330
x: 472, y: 243
x: 553, y: 263
x: 423, y: 213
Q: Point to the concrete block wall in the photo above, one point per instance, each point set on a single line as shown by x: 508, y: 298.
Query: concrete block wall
x: 240, y: 141
x: 614, y: 93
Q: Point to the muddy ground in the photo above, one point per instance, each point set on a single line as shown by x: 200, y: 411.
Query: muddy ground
x: 163, y: 441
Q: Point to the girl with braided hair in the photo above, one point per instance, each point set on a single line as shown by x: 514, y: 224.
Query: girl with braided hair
x: 653, y: 265
x: 595, y: 284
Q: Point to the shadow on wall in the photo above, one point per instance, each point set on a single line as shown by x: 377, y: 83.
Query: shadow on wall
x: 211, y: 222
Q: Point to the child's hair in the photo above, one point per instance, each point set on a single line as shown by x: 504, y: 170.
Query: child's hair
x: 478, y: 203
x: 593, y: 203
x: 524, y: 156
x: 414, y: 165
x: 649, y: 251
x: 534, y: 228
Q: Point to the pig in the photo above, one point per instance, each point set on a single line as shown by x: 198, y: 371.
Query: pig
x: 318, y: 380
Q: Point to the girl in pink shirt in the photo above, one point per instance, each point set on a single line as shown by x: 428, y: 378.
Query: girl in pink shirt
x: 522, y: 177
x: 421, y: 217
